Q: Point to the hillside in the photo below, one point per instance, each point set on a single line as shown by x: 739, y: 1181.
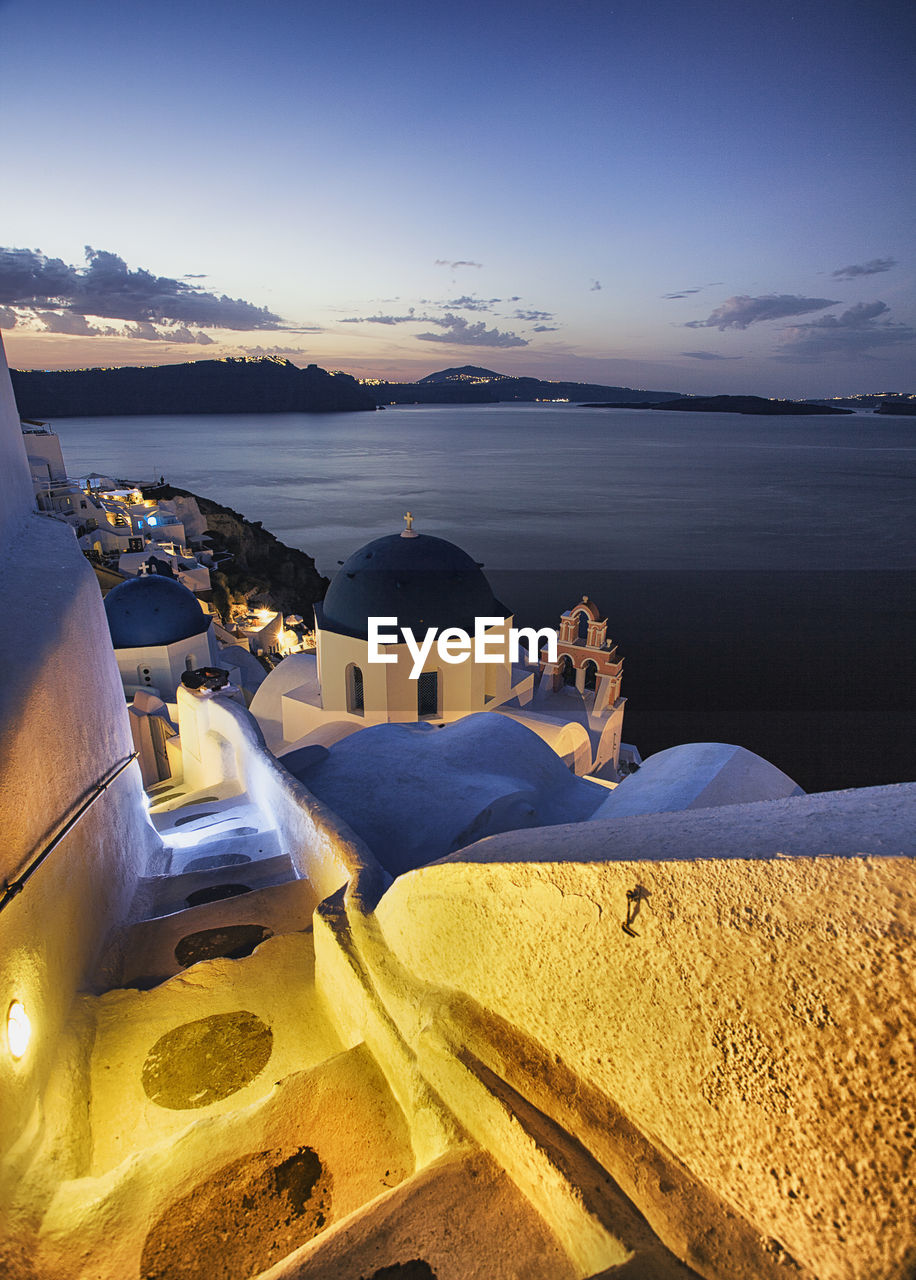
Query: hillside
x: 266, y: 385
x: 470, y: 384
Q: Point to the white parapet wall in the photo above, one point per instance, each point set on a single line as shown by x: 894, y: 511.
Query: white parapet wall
x: 756, y: 1024
x: 221, y: 740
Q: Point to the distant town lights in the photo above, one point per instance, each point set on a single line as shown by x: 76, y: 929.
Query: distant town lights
x: 18, y: 1029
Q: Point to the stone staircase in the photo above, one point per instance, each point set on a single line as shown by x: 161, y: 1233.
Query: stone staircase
x: 236, y: 1130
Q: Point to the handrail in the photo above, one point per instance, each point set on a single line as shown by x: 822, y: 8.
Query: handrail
x: 12, y: 888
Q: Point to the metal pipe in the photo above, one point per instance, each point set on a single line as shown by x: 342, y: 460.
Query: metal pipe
x: 12, y: 888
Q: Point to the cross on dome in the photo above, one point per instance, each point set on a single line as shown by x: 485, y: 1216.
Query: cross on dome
x: 409, y: 531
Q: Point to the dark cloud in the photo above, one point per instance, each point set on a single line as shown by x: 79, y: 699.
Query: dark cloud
x: 708, y: 355
x: 459, y: 332
x: 8, y: 318
x: 194, y: 275
x: 855, y: 333
x: 685, y: 293
x: 546, y: 328
x: 741, y: 311
x: 531, y: 315
x: 444, y: 262
x: 872, y: 268
x: 595, y: 286
x: 106, y: 287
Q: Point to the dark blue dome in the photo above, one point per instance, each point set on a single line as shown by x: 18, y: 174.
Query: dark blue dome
x: 420, y: 580
x: 153, y: 610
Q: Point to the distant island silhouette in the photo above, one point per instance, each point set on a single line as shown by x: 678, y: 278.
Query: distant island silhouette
x: 470, y: 384
x: 728, y: 404
x: 269, y: 384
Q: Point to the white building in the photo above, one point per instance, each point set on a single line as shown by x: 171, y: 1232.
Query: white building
x: 426, y: 582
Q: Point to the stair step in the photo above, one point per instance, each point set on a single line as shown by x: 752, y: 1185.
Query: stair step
x: 157, y: 949
x: 164, y: 895
x: 233, y: 1193
x: 461, y: 1216
x: 226, y: 850
x: 208, y: 1041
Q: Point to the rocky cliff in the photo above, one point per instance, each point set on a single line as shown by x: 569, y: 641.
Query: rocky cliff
x: 260, y: 566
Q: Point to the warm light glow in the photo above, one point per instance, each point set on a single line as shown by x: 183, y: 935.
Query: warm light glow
x: 18, y: 1029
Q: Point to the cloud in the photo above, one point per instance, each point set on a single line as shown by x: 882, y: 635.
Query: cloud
x: 460, y: 333
x: 68, y: 322
x: 855, y: 333
x: 444, y: 262
x: 107, y: 288
x: 595, y: 286
x: 871, y: 268
x: 531, y: 315
x: 271, y: 351
x: 708, y: 355
x: 546, y: 328
x: 8, y: 318
x: 411, y: 315
x: 471, y: 304
x: 173, y: 333
x: 685, y: 293
x: 741, y: 311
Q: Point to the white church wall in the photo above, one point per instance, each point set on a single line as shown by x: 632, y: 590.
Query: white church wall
x: 756, y: 1026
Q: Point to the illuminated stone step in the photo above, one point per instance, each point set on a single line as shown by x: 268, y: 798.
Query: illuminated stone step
x: 228, y: 1193
x: 231, y: 927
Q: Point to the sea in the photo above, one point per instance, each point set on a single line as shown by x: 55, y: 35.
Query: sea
x: 758, y: 573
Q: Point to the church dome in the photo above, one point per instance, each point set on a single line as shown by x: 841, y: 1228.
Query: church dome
x: 153, y: 610
x: 420, y: 580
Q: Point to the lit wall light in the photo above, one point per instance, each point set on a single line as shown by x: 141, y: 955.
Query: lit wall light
x: 18, y: 1029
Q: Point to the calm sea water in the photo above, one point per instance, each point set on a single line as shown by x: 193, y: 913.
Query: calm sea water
x: 757, y: 573
x: 550, y: 486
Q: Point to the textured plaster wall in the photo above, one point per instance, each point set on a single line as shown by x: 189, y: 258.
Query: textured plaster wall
x: 761, y: 1025
x: 64, y: 726
x: 17, y: 499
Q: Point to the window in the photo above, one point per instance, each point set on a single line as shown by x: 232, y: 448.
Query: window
x: 356, y: 704
x: 428, y: 694
x: 591, y: 674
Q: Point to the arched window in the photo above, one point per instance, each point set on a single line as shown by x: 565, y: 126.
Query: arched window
x: 583, y: 621
x: 567, y: 670
x: 356, y: 704
x: 428, y: 694
x: 591, y: 674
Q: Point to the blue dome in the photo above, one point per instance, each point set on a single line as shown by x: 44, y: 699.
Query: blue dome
x: 153, y: 610
x: 422, y: 581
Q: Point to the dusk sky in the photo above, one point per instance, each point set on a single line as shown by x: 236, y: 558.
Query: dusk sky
x: 686, y: 195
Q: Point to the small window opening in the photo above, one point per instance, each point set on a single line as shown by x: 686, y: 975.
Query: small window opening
x: 428, y: 693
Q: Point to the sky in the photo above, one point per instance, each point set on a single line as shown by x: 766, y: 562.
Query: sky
x: 687, y: 195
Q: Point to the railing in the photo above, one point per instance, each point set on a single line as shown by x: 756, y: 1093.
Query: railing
x: 12, y: 888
